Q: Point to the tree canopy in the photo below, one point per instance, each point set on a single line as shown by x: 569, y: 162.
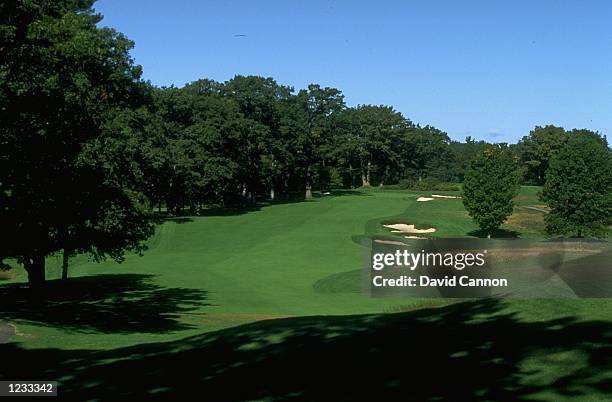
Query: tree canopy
x: 578, y: 187
x: 62, y: 79
x: 537, y: 148
x: 491, y: 182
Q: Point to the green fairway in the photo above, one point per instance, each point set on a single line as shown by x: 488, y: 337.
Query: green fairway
x: 211, y: 272
x: 283, y: 261
x: 250, y: 266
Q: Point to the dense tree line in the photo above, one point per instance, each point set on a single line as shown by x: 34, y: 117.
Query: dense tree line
x: 250, y: 138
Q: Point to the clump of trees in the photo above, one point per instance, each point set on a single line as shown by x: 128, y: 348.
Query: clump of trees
x: 537, y: 149
x: 63, y: 81
x: 230, y: 144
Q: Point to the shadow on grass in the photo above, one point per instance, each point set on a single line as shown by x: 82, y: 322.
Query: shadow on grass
x: 496, y: 234
x: 177, y: 219
x: 341, y: 193
x: 119, y: 303
x: 467, y: 351
x: 341, y: 282
x: 233, y: 211
x: 184, y: 216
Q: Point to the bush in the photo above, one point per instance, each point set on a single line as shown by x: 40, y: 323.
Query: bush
x: 428, y: 184
x: 432, y: 184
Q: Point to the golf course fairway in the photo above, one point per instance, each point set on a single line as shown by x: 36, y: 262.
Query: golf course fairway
x: 219, y: 287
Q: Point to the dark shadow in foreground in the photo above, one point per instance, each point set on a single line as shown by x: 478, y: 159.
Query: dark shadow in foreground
x: 467, y: 351
x: 113, y: 303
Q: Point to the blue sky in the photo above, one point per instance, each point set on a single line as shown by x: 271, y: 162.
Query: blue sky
x: 489, y: 69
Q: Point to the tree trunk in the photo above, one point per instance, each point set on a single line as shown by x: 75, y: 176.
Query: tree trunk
x: 489, y: 236
x: 272, y: 193
x: 65, y: 260
x: 308, y: 190
x: 35, y: 266
x: 365, y: 177
x: 364, y: 181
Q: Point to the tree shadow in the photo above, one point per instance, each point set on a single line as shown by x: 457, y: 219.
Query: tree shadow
x: 467, y: 351
x: 117, y: 303
x: 341, y: 193
x: 495, y: 234
x: 245, y: 209
x: 178, y: 219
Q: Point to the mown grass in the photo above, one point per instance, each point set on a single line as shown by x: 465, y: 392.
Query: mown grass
x: 282, y: 260
x: 205, y: 274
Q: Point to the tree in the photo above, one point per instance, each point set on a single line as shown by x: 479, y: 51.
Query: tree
x: 265, y: 151
x: 308, y: 120
x: 491, y: 182
x: 537, y: 148
x: 578, y: 187
x: 61, y: 79
x: 428, y: 151
x: 368, y: 140
x: 198, y: 149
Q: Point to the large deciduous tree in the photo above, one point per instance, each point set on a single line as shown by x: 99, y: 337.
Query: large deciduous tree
x: 578, y: 187
x: 369, y: 141
x: 309, y: 120
x: 61, y: 79
x: 536, y: 150
x: 266, y: 151
x: 491, y: 182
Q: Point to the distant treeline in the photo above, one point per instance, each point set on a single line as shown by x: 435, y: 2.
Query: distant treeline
x: 249, y: 138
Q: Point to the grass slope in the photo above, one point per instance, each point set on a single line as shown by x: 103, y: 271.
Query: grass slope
x: 286, y: 261
x: 470, y: 351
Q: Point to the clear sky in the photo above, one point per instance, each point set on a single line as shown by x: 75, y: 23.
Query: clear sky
x: 490, y: 69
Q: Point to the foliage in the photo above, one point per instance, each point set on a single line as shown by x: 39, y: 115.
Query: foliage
x: 433, y: 184
x: 536, y: 150
x: 578, y: 187
x: 491, y: 182
x: 61, y: 79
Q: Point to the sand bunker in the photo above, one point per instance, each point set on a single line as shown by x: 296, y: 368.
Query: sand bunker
x: 444, y: 196
x: 415, y: 237
x: 421, y: 199
x: 391, y: 242
x: 404, y: 228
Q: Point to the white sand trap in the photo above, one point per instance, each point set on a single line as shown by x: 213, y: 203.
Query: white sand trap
x: 421, y: 199
x: 404, y: 228
x: 444, y: 196
x: 415, y: 237
x: 394, y: 243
